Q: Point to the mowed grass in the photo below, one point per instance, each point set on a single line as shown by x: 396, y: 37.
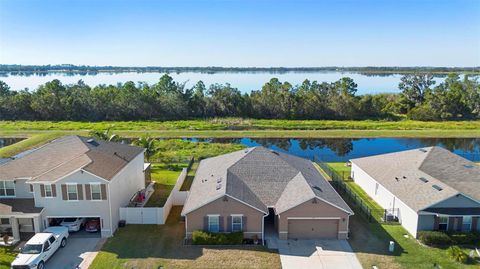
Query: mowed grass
x: 165, y: 177
x: 29, y: 143
x: 7, y: 255
x: 370, y: 240
x: 151, y: 246
x: 190, y: 176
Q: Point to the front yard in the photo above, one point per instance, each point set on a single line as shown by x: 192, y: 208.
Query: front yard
x: 370, y: 240
x: 6, y: 257
x: 151, y: 246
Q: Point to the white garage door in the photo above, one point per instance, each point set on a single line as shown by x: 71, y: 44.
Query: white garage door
x: 312, y: 228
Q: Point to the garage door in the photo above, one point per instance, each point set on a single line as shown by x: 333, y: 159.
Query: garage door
x: 312, y: 229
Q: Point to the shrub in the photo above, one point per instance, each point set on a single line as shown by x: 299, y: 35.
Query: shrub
x: 207, y: 238
x: 457, y: 254
x: 432, y: 238
x: 423, y: 113
x: 465, y: 238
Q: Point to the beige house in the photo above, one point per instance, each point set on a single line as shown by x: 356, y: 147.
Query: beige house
x: 257, y: 189
x: 71, y: 176
x: 425, y: 189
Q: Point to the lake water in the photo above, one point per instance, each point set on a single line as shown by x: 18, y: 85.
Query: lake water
x: 8, y: 141
x: 244, y: 81
x: 343, y: 149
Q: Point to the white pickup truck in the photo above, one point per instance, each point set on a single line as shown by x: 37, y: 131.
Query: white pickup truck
x: 40, y: 248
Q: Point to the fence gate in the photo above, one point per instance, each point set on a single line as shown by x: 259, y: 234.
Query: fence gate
x: 141, y: 215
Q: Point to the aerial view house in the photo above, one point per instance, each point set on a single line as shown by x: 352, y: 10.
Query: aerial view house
x: 256, y: 189
x: 69, y: 177
x: 426, y: 189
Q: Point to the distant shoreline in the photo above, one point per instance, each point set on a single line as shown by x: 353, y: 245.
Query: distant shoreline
x: 31, y: 69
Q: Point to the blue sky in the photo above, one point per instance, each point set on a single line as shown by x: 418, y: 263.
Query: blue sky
x: 241, y: 33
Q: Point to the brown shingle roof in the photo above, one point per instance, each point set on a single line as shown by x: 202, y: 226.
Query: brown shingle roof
x: 67, y: 154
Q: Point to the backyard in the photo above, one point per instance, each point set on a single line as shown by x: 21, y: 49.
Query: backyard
x: 152, y: 246
x: 370, y: 240
x: 165, y: 176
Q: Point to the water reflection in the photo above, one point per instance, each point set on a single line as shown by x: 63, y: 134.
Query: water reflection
x: 8, y: 141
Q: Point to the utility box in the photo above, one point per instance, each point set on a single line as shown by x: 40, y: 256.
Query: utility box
x: 391, y: 247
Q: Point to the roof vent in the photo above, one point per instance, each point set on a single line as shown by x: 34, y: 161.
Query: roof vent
x: 396, y: 178
x: 219, y: 186
x: 438, y: 188
x: 317, y: 188
x: 423, y: 150
x: 423, y: 179
x: 404, y: 177
x: 92, y: 142
x: 468, y: 166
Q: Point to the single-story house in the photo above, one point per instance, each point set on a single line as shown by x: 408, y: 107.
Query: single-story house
x: 255, y: 188
x: 427, y: 188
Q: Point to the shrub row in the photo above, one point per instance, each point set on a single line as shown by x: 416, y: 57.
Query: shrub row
x: 434, y: 238
x: 207, y: 238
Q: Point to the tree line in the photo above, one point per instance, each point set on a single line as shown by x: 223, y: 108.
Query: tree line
x: 419, y: 99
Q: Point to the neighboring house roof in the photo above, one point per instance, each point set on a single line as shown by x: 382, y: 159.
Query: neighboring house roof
x: 261, y: 178
x: 415, y: 176
x: 68, y: 154
x: 18, y: 206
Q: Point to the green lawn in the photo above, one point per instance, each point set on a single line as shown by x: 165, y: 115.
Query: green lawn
x: 31, y: 142
x: 7, y: 255
x: 191, y: 174
x: 370, y: 241
x: 151, y: 246
x: 165, y: 177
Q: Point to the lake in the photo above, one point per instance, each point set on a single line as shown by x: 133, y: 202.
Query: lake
x: 343, y: 149
x: 8, y: 141
x: 244, y: 81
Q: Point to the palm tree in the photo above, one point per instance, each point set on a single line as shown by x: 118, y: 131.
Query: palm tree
x: 148, y: 143
x: 105, y: 135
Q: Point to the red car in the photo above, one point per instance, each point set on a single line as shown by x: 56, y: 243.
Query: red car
x: 92, y: 225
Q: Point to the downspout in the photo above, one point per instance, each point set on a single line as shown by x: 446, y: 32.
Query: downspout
x: 263, y: 233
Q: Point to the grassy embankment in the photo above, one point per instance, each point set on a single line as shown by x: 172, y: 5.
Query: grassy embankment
x: 172, y: 156
x: 370, y: 240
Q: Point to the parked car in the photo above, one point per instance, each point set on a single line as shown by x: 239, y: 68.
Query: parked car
x: 92, y: 225
x: 40, y: 248
x: 73, y: 224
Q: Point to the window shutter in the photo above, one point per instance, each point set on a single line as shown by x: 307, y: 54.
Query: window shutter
x: 80, y: 191
x: 64, y: 192
x: 54, y: 190
x: 436, y: 223
x: 475, y: 224
x: 42, y: 190
x: 459, y: 223
x: 244, y: 223
x: 103, y: 188
x: 220, y: 224
x: 451, y: 222
x: 88, y: 193
x: 205, y: 223
x: 229, y: 224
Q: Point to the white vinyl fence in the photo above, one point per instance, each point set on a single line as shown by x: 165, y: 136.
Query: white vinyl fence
x: 156, y: 215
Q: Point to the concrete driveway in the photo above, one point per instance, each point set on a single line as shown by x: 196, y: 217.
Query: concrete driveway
x: 319, y: 254
x: 78, y: 251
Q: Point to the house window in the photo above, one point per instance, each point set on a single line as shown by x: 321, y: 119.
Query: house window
x: 96, y: 192
x: 4, y: 221
x: 48, y: 190
x: 31, y: 187
x: 72, y: 193
x: 376, y: 189
x: 7, y: 189
x: 214, y: 224
x: 467, y: 223
x: 237, y: 224
x: 442, y: 223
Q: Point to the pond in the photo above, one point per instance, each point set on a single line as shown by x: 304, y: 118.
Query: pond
x: 8, y: 141
x: 343, y: 149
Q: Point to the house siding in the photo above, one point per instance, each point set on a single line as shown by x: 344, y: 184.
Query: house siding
x: 308, y: 209
x: 22, y: 189
x: 407, y: 216
x: 225, y: 208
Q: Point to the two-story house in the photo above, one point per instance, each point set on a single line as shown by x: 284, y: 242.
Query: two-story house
x: 71, y: 176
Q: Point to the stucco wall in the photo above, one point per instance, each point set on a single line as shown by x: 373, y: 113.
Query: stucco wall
x: 225, y: 208
x: 319, y: 209
x: 407, y: 217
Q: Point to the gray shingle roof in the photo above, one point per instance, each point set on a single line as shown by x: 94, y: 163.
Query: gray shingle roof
x: 261, y: 178
x: 404, y: 174
x: 18, y: 206
x: 67, y: 154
